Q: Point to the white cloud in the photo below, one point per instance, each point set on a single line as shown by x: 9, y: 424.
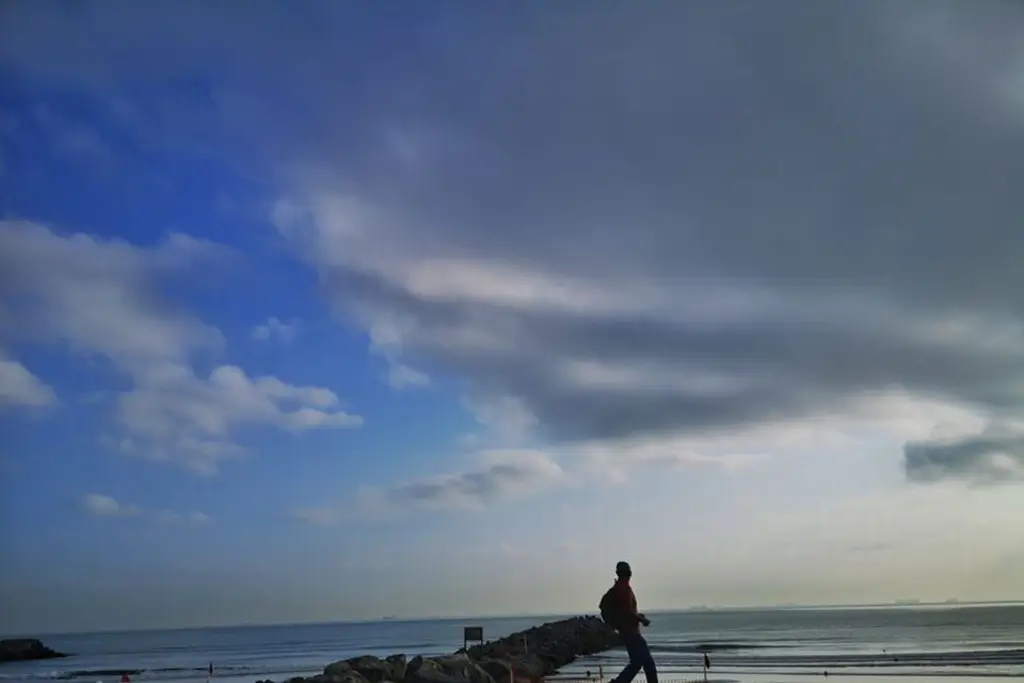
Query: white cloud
x: 274, y: 330
x: 19, y: 387
x: 402, y: 376
x: 100, y: 297
x: 385, y: 340
x: 173, y: 414
x: 99, y: 505
x: 103, y: 298
x: 506, y: 416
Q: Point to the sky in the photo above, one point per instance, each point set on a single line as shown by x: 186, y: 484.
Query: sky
x: 318, y: 310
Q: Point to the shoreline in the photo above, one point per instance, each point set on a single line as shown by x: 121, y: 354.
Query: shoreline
x: 794, y: 646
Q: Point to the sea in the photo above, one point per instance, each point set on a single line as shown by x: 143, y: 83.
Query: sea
x: 894, y: 644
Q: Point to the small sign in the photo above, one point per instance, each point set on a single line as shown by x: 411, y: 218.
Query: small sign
x: 473, y: 633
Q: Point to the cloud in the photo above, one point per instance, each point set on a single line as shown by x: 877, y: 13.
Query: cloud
x: 100, y: 297
x: 169, y: 517
x: 19, y: 387
x: 276, y: 331
x: 319, y: 516
x: 634, y: 257
x: 99, y: 505
x: 103, y: 298
x: 172, y: 413
x: 504, y: 475
x: 402, y: 376
x: 996, y: 455
x: 631, y: 232
x: 507, y: 473
x: 505, y: 416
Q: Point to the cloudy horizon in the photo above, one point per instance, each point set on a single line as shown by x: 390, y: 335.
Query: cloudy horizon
x: 323, y: 311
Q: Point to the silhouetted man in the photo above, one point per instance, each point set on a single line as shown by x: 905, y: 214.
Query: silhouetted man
x: 621, y: 607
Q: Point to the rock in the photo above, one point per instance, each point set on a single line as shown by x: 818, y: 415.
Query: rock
x: 518, y: 658
x: 337, y: 668
x: 532, y: 665
x: 338, y: 675
x: 450, y: 669
x: 542, y: 650
x: 414, y: 664
x: 349, y: 677
x: 498, y: 669
x: 373, y: 669
x: 398, y: 666
x: 23, y: 649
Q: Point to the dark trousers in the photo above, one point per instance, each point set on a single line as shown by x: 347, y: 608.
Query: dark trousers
x: 639, y: 658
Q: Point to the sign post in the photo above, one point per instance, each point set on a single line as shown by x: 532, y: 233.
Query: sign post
x: 473, y: 634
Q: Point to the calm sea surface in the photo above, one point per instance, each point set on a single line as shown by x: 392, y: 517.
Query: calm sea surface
x: 758, y: 646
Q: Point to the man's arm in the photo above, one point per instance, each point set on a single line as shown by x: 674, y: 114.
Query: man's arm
x: 633, y: 613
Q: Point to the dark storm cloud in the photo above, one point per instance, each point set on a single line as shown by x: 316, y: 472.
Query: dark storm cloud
x: 854, y: 169
x: 519, y: 471
x: 983, y: 458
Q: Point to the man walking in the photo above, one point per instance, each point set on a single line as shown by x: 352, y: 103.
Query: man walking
x: 618, y: 608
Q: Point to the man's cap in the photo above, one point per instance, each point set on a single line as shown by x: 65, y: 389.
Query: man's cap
x: 623, y: 569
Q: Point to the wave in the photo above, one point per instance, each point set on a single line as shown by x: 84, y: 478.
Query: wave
x: 747, y: 657
x: 717, y: 646
x: 158, y: 673
x: 930, y: 659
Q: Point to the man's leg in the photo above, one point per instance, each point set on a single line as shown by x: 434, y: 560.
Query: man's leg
x: 646, y: 660
x: 636, y: 661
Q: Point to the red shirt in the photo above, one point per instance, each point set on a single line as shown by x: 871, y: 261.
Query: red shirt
x: 624, y: 593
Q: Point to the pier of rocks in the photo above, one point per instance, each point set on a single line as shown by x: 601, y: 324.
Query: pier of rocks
x: 525, y: 657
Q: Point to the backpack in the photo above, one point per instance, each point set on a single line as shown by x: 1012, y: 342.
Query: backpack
x: 611, y: 608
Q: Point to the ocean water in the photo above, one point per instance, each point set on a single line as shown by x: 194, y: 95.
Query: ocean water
x: 755, y: 646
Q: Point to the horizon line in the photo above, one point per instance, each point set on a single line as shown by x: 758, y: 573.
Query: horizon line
x: 904, y: 603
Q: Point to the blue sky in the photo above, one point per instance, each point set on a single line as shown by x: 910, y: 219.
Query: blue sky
x: 321, y: 310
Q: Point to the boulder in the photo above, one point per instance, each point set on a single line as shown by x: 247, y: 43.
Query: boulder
x: 519, y: 658
x: 542, y: 650
x: 532, y: 665
x: 366, y: 668
x: 449, y: 669
x: 23, y: 649
x: 337, y: 668
x: 498, y: 669
x: 398, y: 666
x: 338, y: 675
x: 373, y: 669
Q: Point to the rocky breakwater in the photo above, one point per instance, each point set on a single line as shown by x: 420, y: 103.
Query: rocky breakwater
x: 518, y: 658
x: 543, y: 650
x: 24, y: 649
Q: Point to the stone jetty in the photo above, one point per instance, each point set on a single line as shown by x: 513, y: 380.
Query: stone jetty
x: 24, y: 649
x: 522, y: 657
